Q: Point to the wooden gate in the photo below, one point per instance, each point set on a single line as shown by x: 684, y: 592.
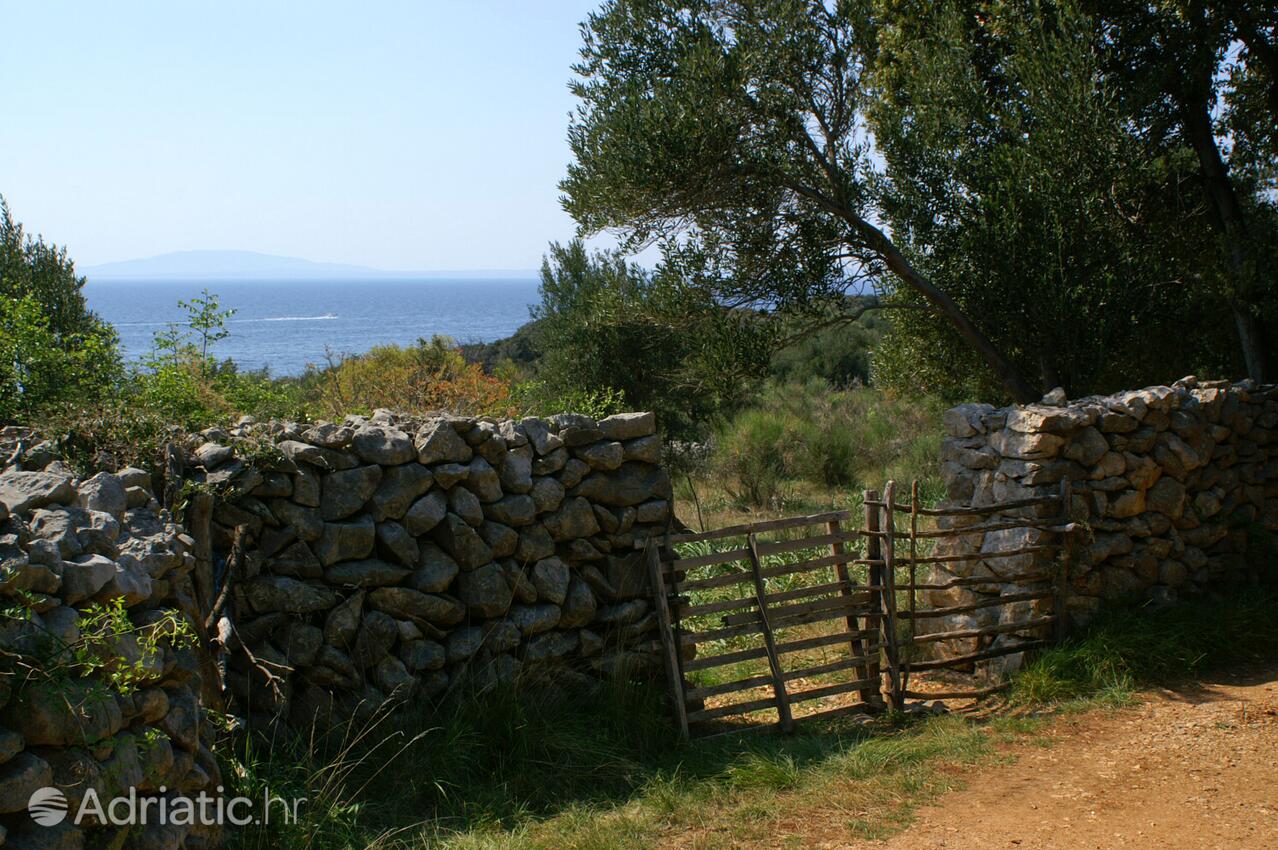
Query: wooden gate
x: 778, y: 621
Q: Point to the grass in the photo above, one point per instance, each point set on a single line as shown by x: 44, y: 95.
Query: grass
x: 555, y: 765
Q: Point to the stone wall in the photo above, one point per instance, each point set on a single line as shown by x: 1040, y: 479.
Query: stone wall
x: 69, y: 548
x: 1176, y: 488
x: 394, y: 557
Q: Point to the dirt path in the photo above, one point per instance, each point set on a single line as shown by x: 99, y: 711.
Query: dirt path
x: 1194, y: 768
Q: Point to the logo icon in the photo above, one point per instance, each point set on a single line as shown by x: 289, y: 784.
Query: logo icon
x: 48, y: 806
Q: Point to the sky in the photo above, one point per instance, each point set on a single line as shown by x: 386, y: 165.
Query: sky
x: 422, y: 135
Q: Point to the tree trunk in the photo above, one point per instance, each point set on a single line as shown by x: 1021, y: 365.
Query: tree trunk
x: 1233, y: 226
x: 1020, y: 389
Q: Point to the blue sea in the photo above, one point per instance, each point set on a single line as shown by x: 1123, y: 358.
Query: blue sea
x: 286, y: 324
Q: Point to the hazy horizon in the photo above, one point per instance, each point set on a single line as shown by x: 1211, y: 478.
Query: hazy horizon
x: 401, y: 136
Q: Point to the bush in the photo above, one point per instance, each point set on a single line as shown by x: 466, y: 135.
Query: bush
x: 831, y: 438
x: 430, y: 376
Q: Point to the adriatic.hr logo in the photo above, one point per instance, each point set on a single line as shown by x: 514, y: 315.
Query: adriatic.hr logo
x: 48, y: 806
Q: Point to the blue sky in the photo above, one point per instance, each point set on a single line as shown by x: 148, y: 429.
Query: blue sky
x: 401, y: 135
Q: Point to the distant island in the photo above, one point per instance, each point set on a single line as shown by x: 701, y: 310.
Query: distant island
x: 251, y: 265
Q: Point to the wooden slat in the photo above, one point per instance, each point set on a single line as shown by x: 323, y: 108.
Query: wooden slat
x: 774, y: 548
x: 727, y: 687
x: 771, y: 572
x: 983, y: 655
x: 686, y: 611
x: 974, y: 693
x: 972, y: 581
x: 769, y: 643
x: 874, y: 554
x: 889, y: 580
x: 865, y: 708
x: 828, y: 690
x: 711, y: 661
x: 856, y: 647
x: 756, y: 527
x: 838, y: 604
x: 735, y: 708
x: 823, y: 669
x: 987, y: 556
x: 1001, y: 629
x: 1048, y: 525
x: 978, y: 510
x: 977, y: 606
x: 670, y: 653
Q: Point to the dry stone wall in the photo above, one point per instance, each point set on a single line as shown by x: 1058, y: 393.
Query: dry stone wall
x: 98, y: 690
x: 1175, y: 487
x: 391, y: 557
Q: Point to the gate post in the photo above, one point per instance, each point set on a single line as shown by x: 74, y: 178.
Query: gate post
x: 889, y: 596
x: 873, y: 554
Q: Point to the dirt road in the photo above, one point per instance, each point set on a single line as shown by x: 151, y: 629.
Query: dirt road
x: 1191, y: 768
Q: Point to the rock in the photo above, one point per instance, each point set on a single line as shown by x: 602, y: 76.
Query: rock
x: 213, y: 455
x: 630, y: 485
x: 535, y: 619
x: 370, y: 573
x: 575, y: 519
x: 575, y: 429
x: 535, y: 543
x: 320, y: 458
x: 550, y: 646
x: 539, y: 435
x: 63, y: 714
x: 421, y: 655
x: 435, y: 569
x: 1167, y: 497
x: 465, y: 504
x: 462, y: 644
x: 381, y: 445
x: 1036, y: 419
x: 306, y: 488
x: 1087, y: 446
x: 343, y: 621
x: 298, y: 561
x: 645, y: 449
x: 513, y: 510
x: 377, y: 634
x: 11, y: 744
x: 628, y: 426
x: 406, y: 604
x: 573, y: 472
x: 329, y: 435
x: 550, y: 577
x: 130, y: 582
x: 653, y: 510
x: 483, y: 481
x: 448, y: 475
x: 392, y: 677
x: 301, y: 643
x: 602, y: 455
x: 462, y: 542
x: 578, y: 608
x: 484, y: 591
x: 21, y: 492
x: 132, y: 476
x: 305, y: 522
x: 547, y: 494
x: 515, y: 472
x: 551, y: 463
x: 345, y: 492
x: 1128, y: 503
x: 134, y: 497
x: 344, y: 541
x: 84, y: 577
x: 1029, y: 446
x: 333, y: 669
x: 437, y: 442
x: 281, y: 593
x: 501, y: 539
x: 103, y: 492
x: 20, y: 777
x: 400, y: 487
x: 426, y: 513
x: 396, y: 543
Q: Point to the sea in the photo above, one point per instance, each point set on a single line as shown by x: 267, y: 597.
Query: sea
x: 286, y: 325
